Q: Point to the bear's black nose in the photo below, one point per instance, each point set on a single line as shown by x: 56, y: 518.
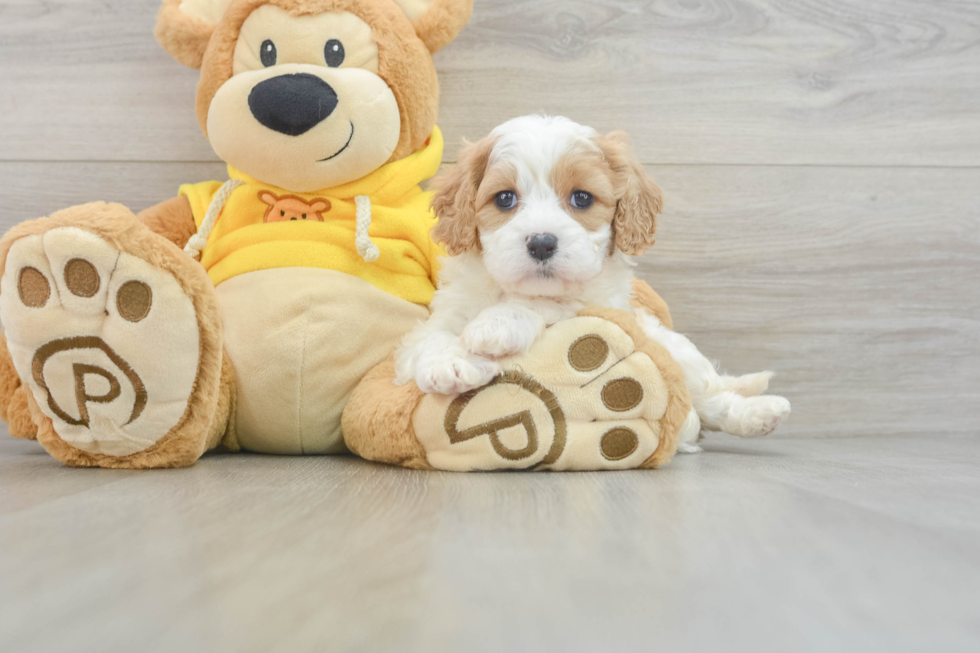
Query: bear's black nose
x: 292, y: 104
x: 542, y: 246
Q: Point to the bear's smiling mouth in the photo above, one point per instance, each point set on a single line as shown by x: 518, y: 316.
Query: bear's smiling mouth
x: 341, y: 150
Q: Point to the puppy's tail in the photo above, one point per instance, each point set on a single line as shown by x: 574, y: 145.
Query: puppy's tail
x: 749, y: 385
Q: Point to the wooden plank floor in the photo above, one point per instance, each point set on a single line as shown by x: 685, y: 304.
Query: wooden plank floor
x: 821, y: 163
x: 860, y: 544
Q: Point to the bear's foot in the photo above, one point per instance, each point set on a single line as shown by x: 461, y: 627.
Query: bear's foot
x: 116, y: 334
x: 593, y: 393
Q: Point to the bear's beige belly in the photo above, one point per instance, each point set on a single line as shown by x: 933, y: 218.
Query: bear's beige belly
x: 300, y: 340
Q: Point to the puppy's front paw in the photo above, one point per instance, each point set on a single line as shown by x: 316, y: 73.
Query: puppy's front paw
x: 501, y: 331
x: 455, y: 374
x: 586, y: 397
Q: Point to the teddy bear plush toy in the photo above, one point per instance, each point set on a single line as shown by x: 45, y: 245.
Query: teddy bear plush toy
x: 260, y: 313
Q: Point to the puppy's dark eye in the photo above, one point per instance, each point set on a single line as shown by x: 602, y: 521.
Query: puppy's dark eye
x: 505, y: 200
x: 268, y: 53
x: 333, y: 53
x: 582, y: 200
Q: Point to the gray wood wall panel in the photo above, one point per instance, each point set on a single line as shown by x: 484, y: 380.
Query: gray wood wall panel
x: 871, y: 82
x: 860, y: 287
x: 821, y: 160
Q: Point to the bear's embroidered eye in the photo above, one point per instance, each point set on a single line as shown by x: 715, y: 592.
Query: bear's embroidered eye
x: 505, y: 200
x: 582, y: 199
x: 282, y: 213
x: 268, y: 53
x: 333, y: 52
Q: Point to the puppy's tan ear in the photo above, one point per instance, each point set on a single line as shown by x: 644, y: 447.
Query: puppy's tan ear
x: 454, y: 201
x: 437, y: 22
x: 641, y: 201
x: 184, y: 28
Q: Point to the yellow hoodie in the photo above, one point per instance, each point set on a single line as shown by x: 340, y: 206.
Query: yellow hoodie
x: 263, y: 227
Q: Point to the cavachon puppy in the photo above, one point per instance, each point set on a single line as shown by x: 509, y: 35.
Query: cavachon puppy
x: 541, y: 219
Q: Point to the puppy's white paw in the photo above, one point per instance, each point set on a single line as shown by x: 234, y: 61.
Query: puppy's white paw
x: 690, y: 433
x: 757, y: 417
x: 502, y: 331
x: 455, y: 374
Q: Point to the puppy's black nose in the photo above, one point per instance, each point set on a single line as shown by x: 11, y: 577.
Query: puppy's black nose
x: 541, y: 247
x: 292, y: 104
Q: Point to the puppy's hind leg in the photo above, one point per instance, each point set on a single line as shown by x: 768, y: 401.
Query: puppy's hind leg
x: 747, y: 417
x: 719, y: 407
x: 748, y: 385
x: 687, y: 441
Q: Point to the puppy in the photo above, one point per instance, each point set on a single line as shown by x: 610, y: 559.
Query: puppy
x: 541, y: 219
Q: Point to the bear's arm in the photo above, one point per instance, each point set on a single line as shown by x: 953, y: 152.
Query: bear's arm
x: 172, y: 219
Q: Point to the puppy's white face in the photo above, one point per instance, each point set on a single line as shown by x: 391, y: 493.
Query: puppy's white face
x: 546, y: 202
x: 545, y: 207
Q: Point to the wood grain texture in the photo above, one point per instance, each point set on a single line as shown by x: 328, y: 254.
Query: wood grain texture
x: 856, y: 285
x: 866, y: 544
x: 882, y: 82
x: 871, y: 82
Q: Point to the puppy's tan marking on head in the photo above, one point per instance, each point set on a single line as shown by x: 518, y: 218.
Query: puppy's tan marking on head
x: 454, y: 201
x: 586, y: 170
x: 499, y: 178
x: 640, y: 199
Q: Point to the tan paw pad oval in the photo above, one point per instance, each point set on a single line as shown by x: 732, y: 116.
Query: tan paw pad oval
x: 134, y: 300
x: 619, y: 443
x: 588, y: 353
x: 33, y: 288
x: 82, y: 278
x: 622, y: 395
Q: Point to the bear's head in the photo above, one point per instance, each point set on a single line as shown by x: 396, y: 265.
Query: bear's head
x: 310, y: 94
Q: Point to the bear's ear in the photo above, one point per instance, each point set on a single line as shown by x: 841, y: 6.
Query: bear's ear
x: 437, y: 22
x: 184, y: 28
x: 268, y: 198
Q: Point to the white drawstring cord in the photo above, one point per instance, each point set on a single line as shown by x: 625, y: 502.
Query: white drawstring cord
x: 365, y: 246
x: 362, y: 240
x: 199, y: 241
